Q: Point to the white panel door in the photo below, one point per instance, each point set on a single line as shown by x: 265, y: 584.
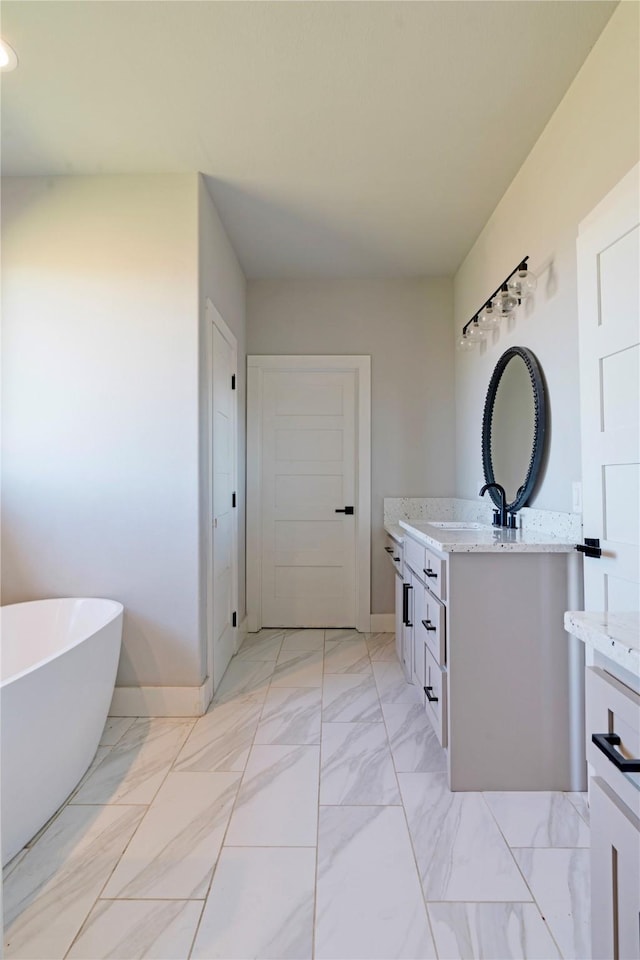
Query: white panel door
x: 308, y: 473
x: 609, y: 312
x: 223, y: 546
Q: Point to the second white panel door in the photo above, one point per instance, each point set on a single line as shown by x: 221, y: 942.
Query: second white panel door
x: 308, y: 473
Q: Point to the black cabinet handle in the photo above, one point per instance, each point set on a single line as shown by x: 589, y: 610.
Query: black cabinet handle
x: 397, y: 559
x: 405, y: 603
x: 428, y: 625
x: 606, y: 742
x: 348, y: 510
x: 389, y: 549
x: 429, y: 572
x: 430, y: 696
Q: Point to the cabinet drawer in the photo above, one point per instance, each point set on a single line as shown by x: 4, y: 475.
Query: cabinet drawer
x: 613, y: 708
x: 414, y: 555
x: 435, y: 572
x: 433, y: 630
x: 428, y: 565
x: 393, y: 549
x: 435, y: 701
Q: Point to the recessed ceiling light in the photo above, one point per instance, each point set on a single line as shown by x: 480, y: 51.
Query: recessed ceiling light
x: 8, y: 58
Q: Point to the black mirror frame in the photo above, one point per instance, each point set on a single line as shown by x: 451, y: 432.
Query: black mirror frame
x: 539, y: 432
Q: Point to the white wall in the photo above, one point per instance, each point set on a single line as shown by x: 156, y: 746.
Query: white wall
x: 100, y: 406
x: 405, y: 325
x: 222, y: 281
x: 591, y: 141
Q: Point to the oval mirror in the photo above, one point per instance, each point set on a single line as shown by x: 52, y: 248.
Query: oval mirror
x: 514, y: 426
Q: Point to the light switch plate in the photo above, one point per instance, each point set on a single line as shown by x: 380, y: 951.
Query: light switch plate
x: 576, y: 496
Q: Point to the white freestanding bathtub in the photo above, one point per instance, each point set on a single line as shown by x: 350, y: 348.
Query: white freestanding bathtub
x: 58, y: 662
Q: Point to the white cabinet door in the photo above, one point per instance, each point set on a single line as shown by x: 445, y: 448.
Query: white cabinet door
x: 418, y: 658
x: 399, y: 621
x: 609, y: 328
x: 615, y: 876
x: 407, y: 631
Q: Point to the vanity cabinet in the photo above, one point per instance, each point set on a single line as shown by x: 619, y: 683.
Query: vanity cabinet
x: 614, y: 796
x: 491, y: 658
x: 425, y: 572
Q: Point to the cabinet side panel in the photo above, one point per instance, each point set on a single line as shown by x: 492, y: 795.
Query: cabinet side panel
x: 510, y: 695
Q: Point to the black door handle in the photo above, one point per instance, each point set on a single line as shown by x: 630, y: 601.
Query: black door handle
x: 430, y: 696
x: 348, y: 510
x: 590, y: 547
x: 606, y: 742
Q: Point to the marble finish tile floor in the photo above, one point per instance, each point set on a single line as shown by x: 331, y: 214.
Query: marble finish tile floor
x: 305, y: 815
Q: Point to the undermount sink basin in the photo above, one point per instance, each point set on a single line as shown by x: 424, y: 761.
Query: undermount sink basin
x: 458, y: 525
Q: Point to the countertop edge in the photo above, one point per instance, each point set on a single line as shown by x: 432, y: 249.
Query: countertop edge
x: 513, y: 542
x: 394, y: 530
x: 611, y: 642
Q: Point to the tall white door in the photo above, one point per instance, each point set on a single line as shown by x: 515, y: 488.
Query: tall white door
x: 609, y: 311
x: 308, y: 474
x: 303, y: 447
x: 223, y: 588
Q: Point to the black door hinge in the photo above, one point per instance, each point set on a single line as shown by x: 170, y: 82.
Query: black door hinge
x: 233, y: 499
x: 233, y: 381
x: 234, y: 619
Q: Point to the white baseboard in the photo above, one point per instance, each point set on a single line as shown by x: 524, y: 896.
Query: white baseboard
x: 161, y: 701
x: 383, y: 622
x: 167, y: 701
x: 241, y: 636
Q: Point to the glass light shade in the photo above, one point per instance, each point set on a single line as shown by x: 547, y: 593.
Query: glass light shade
x: 474, y: 333
x: 8, y: 58
x: 522, y: 284
x: 465, y: 345
x: 489, y: 318
x: 504, y: 302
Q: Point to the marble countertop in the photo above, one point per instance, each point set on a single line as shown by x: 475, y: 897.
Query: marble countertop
x: 395, y: 530
x: 615, y: 635
x: 486, y: 539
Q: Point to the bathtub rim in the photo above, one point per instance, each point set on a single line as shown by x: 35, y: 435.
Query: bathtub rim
x: 117, y: 610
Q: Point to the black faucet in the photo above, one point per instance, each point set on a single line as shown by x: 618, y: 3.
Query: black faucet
x: 503, y: 498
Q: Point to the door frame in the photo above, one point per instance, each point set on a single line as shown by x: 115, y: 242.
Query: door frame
x: 361, y: 366
x: 214, y: 319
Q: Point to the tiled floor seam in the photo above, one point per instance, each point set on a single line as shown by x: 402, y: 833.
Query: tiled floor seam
x: 315, y: 884
x: 126, y: 847
x: 413, y: 849
x: 520, y: 871
x: 94, y: 903
x: 223, y: 845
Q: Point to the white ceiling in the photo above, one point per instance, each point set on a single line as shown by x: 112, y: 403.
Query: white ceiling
x: 339, y: 139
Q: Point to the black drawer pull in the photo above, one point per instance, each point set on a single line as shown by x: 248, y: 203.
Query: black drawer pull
x: 430, y: 696
x: 429, y: 572
x: 428, y: 625
x: 606, y: 742
x: 405, y: 603
x: 389, y: 549
x: 397, y: 559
